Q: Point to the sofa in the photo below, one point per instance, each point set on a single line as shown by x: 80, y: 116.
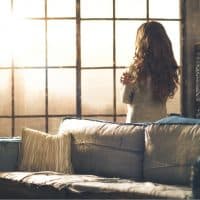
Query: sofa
x: 105, y: 160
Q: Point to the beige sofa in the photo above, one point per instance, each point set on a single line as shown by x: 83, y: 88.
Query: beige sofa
x: 116, y: 160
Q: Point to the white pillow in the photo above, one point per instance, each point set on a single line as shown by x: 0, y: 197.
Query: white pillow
x: 44, y: 152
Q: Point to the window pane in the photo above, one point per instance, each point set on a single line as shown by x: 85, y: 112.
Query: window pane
x: 6, y: 127
x: 164, y: 9
x: 6, y: 42
x: 61, y: 8
x: 97, y: 91
x: 96, y: 8
x: 61, y: 42
x: 29, y: 8
x: 54, y: 123
x: 121, y: 119
x: 96, y: 43
x: 131, y: 8
x: 5, y: 8
x: 29, y: 91
x: 125, y: 41
x: 29, y: 43
x: 62, y: 91
x: 33, y: 123
x: 173, y: 31
x: 121, y: 107
x: 5, y: 92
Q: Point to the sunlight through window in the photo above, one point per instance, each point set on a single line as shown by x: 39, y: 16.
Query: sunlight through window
x: 29, y: 43
x: 96, y: 43
x: 29, y: 8
x: 61, y: 43
x: 131, y: 8
x: 125, y: 41
x: 96, y: 8
x: 164, y: 9
x: 61, y: 8
x: 45, y: 49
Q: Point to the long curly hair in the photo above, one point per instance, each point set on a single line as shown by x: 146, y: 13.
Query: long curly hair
x: 154, y: 58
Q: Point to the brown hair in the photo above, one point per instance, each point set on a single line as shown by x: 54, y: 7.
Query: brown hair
x: 154, y: 58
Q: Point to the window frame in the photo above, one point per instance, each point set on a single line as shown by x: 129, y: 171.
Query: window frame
x: 78, y: 67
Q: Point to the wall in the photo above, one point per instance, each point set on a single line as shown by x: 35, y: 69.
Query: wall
x: 191, y: 35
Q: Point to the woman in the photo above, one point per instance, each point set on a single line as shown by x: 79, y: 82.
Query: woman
x: 152, y: 78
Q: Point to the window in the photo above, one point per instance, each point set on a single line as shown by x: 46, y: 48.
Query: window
x: 64, y: 58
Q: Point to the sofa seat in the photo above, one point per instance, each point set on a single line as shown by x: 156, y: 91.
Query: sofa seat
x: 46, y: 184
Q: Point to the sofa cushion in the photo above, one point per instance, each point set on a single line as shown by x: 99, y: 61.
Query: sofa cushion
x: 9, y: 149
x: 170, y: 151
x: 65, y: 186
x: 178, y: 120
x: 44, y: 152
x: 106, y: 148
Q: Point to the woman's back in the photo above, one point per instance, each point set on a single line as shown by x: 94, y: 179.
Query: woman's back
x: 142, y: 107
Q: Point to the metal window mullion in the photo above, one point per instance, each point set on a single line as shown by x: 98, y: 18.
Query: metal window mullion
x: 184, y: 61
x: 12, y: 89
x: 78, y: 60
x: 13, y: 98
x: 147, y: 16
x: 46, y: 71
x: 114, y: 64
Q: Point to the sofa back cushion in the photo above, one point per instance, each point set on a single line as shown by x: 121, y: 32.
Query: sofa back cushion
x: 170, y: 151
x: 9, y: 151
x: 106, y: 148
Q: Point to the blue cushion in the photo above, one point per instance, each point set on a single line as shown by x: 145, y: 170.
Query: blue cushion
x: 178, y: 120
x: 9, y: 149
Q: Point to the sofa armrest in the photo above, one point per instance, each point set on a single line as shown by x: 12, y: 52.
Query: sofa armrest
x: 9, y: 151
x: 195, y: 179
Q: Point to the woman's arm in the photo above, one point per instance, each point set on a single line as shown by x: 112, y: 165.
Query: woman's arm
x: 127, y: 94
x: 127, y: 81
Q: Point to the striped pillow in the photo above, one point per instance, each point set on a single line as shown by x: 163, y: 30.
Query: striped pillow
x: 44, y: 152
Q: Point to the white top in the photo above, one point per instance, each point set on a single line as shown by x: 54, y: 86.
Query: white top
x: 140, y: 103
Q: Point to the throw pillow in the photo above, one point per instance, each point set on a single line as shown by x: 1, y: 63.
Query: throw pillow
x: 44, y: 152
